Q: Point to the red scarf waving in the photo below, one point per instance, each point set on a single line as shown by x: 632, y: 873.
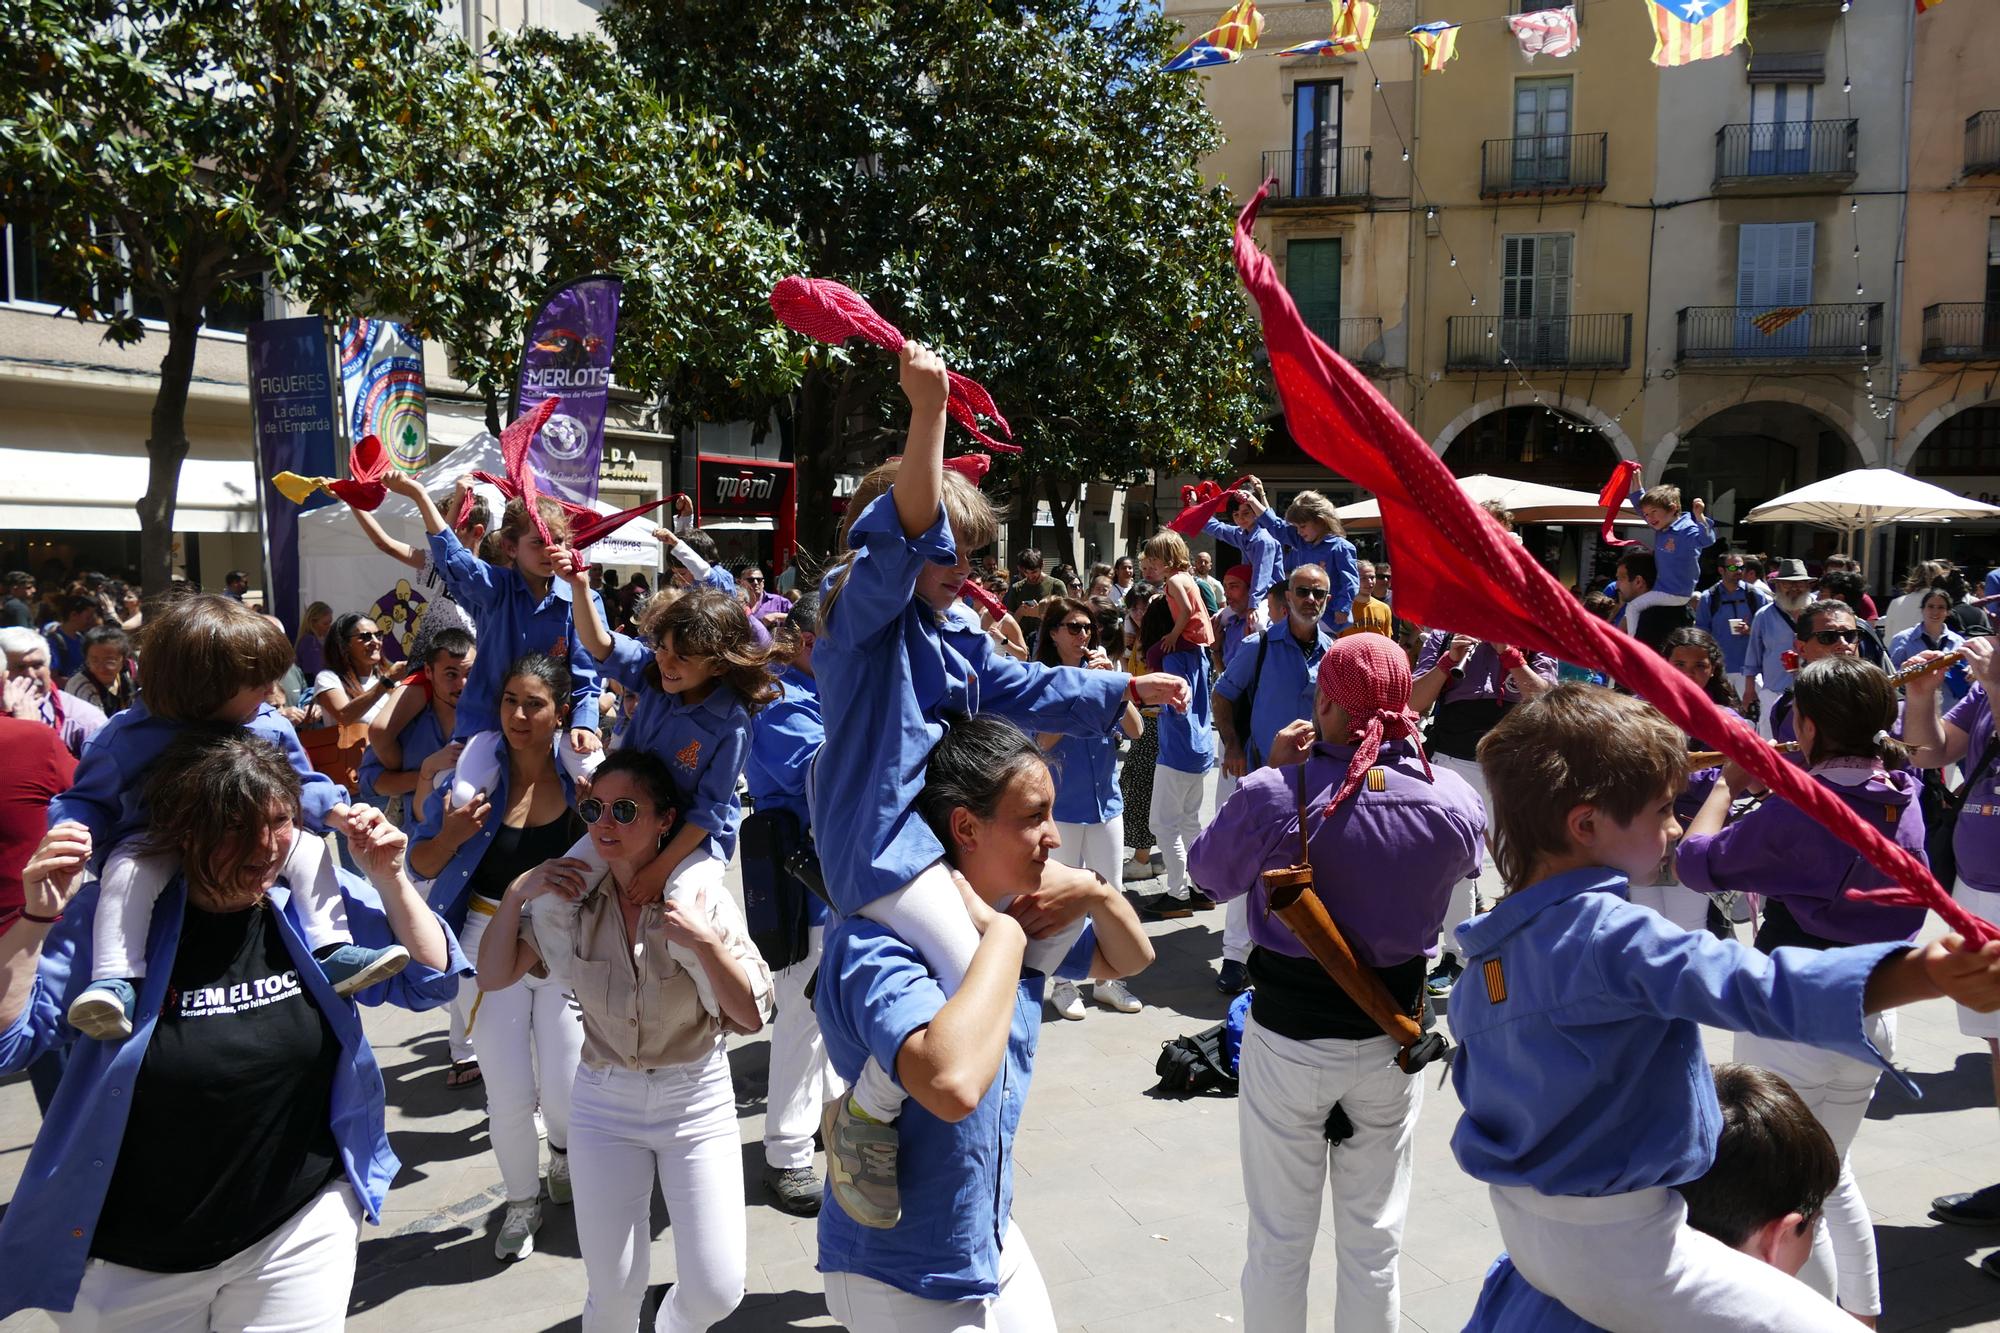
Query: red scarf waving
x: 1613, y: 497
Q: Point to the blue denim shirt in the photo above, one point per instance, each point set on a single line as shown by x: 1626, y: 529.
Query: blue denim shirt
x: 1509, y: 1303
x: 46, y: 1234
x: 1284, y: 692
x: 1086, y: 772
x: 108, y: 796
x: 1260, y: 551
x: 874, y: 991
x: 784, y: 739
x: 511, y: 622
x: 421, y: 739
x: 1580, y: 1064
x: 1771, y: 637
x: 1333, y: 554
x: 897, y: 667
x: 1187, y: 740
x: 1717, y: 607
x: 449, y: 894
x: 704, y: 745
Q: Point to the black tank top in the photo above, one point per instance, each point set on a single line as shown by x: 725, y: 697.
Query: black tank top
x: 516, y: 850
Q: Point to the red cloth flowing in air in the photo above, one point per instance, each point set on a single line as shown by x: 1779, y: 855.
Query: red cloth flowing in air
x: 1201, y: 502
x: 1613, y: 497
x: 1459, y: 570
x: 831, y: 313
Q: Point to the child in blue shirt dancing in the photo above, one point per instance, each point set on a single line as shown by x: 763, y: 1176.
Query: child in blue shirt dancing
x: 1677, y: 546
x: 1585, y: 1088
x: 1310, y: 534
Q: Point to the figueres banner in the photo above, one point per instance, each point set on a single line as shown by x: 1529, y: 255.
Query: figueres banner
x: 297, y: 419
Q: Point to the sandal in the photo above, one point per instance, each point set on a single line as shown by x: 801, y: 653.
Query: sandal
x: 463, y: 1074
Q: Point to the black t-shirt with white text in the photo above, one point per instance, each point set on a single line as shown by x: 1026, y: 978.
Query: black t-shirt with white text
x: 230, y: 1131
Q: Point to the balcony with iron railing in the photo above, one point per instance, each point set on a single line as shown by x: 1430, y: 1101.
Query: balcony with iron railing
x: 1542, y: 164
x: 1356, y: 337
x: 1961, y: 331
x: 1781, y: 335
x: 1982, y: 143
x: 1562, y: 342
x: 1799, y: 155
x: 1330, y: 175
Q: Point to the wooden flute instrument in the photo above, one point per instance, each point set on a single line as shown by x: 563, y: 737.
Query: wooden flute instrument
x: 1939, y: 663
x: 1708, y: 758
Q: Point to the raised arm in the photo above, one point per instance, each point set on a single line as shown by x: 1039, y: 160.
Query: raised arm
x: 591, y: 631
x: 920, y: 479
x: 405, y: 485
x: 371, y: 528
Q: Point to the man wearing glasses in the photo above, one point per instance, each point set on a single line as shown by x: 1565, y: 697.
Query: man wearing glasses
x: 1274, y: 672
x: 768, y: 607
x: 1826, y: 629
x: 1726, y: 611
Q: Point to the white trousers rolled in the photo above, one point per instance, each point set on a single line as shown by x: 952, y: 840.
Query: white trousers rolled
x: 1676, y: 902
x: 1236, y: 912
x: 864, y: 1305
x: 529, y: 1038
x: 676, y: 1125
x: 802, y: 1080
x: 296, y: 1280
x: 1632, y: 1263
x: 1288, y: 1088
x: 457, y: 1015
x: 1837, y: 1089
x: 1176, y: 820
x: 1466, y: 893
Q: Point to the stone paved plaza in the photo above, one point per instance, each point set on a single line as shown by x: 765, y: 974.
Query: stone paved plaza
x: 1134, y: 1205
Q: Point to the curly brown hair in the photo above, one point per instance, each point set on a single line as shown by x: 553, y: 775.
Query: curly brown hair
x: 707, y: 622
x: 211, y: 795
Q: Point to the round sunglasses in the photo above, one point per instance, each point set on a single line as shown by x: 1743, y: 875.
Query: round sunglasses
x: 592, y: 810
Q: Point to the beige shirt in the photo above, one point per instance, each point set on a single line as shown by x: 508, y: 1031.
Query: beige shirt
x: 646, y: 1002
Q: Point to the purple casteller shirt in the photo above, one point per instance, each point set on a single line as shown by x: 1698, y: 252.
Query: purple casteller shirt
x: 1385, y: 862
x: 1782, y: 852
x: 1976, y: 840
x: 1484, y: 677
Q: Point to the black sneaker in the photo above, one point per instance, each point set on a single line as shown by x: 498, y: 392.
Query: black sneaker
x: 1199, y: 901
x: 1981, y: 1208
x: 1438, y: 984
x: 1990, y: 1265
x: 1165, y: 906
x: 1233, y: 979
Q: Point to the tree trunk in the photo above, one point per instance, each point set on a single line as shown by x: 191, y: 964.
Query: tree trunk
x: 1065, y: 550
x: 166, y: 449
x: 1021, y: 521
x: 816, y: 456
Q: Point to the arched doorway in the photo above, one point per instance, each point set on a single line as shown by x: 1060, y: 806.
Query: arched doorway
x: 1962, y: 454
x: 1738, y: 458
x: 1530, y: 444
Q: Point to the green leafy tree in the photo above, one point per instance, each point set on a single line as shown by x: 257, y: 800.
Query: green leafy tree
x: 1018, y: 189
x: 173, y: 153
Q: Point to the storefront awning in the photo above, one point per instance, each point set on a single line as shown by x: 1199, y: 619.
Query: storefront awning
x: 87, y: 492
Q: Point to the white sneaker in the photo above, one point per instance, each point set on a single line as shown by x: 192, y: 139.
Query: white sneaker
x: 516, y: 1238
x: 560, y: 1190
x: 1113, y: 995
x: 1064, y: 997
x: 1136, y: 869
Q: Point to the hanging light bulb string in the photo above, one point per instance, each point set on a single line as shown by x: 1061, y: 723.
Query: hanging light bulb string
x: 1879, y: 408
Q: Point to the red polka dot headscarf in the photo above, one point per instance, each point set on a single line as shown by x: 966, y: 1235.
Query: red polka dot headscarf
x: 1368, y: 675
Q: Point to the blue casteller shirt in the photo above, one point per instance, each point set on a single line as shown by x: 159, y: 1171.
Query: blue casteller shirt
x: 874, y: 991
x: 1580, y: 1066
x: 1717, y: 607
x: 1677, y: 551
x: 108, y: 796
x: 1187, y: 740
x: 511, y: 622
x: 897, y: 667
x: 1333, y: 554
x: 784, y: 738
x: 1260, y: 551
x: 1086, y: 773
x: 46, y: 1234
x: 1284, y: 690
x: 421, y: 739
x: 703, y: 745
x: 450, y: 894
x: 1509, y: 1303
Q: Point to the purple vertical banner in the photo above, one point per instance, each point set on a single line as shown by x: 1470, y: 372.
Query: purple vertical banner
x: 568, y: 356
x: 296, y: 412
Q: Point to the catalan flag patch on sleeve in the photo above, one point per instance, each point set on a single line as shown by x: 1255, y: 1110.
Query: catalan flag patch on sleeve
x: 1378, y: 779
x: 1496, y: 981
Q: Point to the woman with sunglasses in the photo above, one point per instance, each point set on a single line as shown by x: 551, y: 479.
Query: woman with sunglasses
x: 1089, y: 808
x: 659, y: 983
x: 354, y: 684
x: 526, y: 1034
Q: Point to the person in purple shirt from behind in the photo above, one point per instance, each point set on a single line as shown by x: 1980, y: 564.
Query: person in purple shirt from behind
x: 1845, y: 708
x: 1259, y: 548
x: 1377, y: 814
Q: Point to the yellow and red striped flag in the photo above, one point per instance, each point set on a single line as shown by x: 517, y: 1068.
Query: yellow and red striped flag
x: 1925, y: 6
x: 1234, y: 33
x: 1771, y: 321
x: 1437, y: 42
x: 1354, y: 23
x: 1688, y: 30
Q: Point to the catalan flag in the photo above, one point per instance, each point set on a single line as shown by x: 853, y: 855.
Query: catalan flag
x: 1925, y: 6
x: 1353, y: 29
x: 1438, y: 43
x: 1234, y: 33
x: 1685, y: 31
x: 1774, y: 319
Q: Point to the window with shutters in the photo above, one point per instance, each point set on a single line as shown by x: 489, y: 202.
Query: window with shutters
x: 1774, y: 272
x: 1312, y: 276
x: 1542, y: 130
x: 1780, y: 129
x: 1316, y: 139
x: 1534, y: 298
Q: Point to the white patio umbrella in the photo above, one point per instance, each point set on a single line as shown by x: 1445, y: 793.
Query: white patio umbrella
x: 1530, y: 502
x: 1858, y: 502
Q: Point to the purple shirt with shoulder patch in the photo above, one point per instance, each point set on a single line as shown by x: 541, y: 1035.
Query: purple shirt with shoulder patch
x: 1976, y: 840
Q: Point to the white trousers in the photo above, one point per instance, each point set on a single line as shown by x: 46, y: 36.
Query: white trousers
x: 1983, y: 903
x: 1837, y: 1089
x: 1176, y: 820
x: 864, y: 1305
x: 458, y: 1013
x: 1236, y: 912
x: 930, y: 916
x: 529, y: 1038
x: 1767, y: 699
x: 1630, y: 1262
x: 132, y: 882
x: 1466, y: 893
x: 677, y: 1125
x: 295, y: 1280
x: 1676, y: 902
x: 1288, y: 1088
x: 802, y: 1080
x: 1645, y: 602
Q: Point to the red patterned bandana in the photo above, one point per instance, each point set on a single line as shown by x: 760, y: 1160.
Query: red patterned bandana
x: 1369, y: 677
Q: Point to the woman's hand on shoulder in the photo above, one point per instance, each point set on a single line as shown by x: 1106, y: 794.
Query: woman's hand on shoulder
x: 55, y: 869
x: 564, y: 877
x: 688, y: 923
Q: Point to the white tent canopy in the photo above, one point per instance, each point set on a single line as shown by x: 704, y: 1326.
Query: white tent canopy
x: 1529, y: 502
x: 1867, y: 498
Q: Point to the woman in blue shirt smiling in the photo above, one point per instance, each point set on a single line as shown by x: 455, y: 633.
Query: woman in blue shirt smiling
x: 239, y: 1035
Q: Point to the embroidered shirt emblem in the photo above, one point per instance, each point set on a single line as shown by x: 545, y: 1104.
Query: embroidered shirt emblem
x: 1496, y: 982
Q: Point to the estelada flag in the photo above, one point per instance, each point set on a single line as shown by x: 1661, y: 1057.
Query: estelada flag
x: 1438, y: 43
x: 1688, y: 30
x: 1462, y: 572
x: 1234, y: 33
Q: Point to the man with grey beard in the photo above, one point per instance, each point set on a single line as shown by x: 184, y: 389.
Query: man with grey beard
x: 1773, y: 633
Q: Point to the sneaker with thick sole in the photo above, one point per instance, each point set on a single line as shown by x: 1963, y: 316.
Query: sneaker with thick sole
x: 1114, y: 995
x: 1200, y: 901
x: 560, y: 1190
x: 1981, y: 1208
x: 351, y: 968
x: 104, y: 1011
x: 1065, y: 1000
x: 861, y: 1165
x: 1135, y: 869
x: 1438, y: 983
x: 796, y: 1188
x: 1234, y: 978
x: 1165, y: 906
x: 516, y: 1237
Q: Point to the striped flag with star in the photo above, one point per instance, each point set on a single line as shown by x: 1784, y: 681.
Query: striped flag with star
x: 1234, y: 33
x: 1436, y: 42
x: 1685, y: 31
